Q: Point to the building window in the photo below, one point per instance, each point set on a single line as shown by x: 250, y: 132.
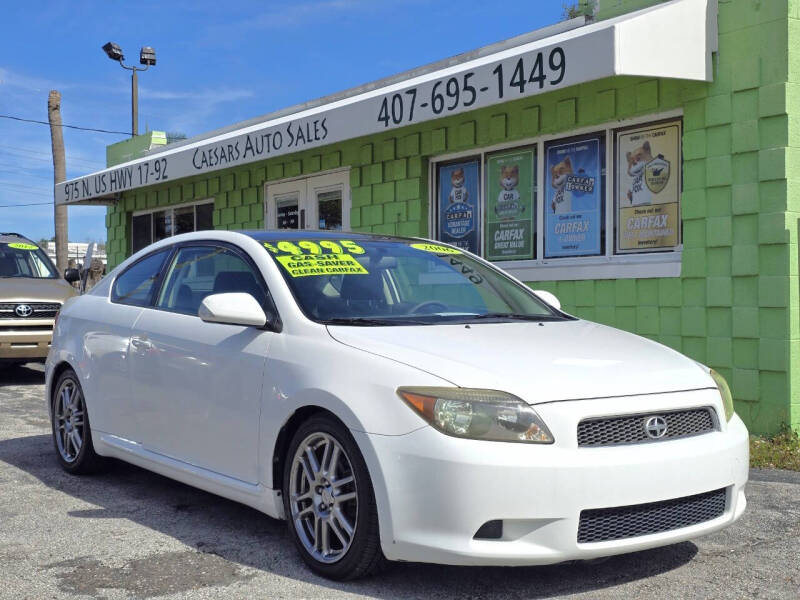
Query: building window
x: 511, y: 205
x: 458, y: 217
x: 150, y: 227
x: 602, y: 203
x: 575, y: 197
x: 648, y: 187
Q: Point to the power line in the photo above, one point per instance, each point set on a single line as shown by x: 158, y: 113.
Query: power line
x: 26, y: 187
x: 18, y: 205
x: 39, y: 194
x: 36, y: 155
x: 69, y: 126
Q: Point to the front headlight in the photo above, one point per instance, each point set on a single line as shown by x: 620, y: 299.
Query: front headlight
x: 725, y: 392
x: 477, y: 414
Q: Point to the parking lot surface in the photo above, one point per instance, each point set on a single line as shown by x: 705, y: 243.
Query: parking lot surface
x: 129, y: 533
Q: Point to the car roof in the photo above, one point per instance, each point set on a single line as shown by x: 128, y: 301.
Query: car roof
x: 276, y: 235
x: 6, y: 237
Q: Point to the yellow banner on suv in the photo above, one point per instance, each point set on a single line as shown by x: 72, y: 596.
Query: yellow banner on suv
x: 21, y: 246
x: 304, y: 265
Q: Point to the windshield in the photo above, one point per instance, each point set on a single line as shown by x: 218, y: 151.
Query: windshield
x: 23, y: 259
x: 394, y: 282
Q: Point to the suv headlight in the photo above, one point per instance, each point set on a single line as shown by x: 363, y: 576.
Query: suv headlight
x: 477, y: 414
x: 725, y: 392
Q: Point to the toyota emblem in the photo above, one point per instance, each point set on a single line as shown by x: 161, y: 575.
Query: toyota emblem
x: 23, y: 310
x: 655, y: 427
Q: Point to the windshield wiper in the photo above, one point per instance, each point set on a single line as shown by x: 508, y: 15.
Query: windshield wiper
x: 371, y: 321
x: 514, y: 317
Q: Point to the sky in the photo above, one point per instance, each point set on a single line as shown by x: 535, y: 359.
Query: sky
x: 217, y: 63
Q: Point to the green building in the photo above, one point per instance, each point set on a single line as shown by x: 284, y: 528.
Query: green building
x: 641, y: 162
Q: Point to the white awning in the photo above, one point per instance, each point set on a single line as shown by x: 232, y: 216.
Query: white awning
x: 670, y: 40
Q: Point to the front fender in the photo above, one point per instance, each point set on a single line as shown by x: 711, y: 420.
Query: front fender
x: 358, y: 387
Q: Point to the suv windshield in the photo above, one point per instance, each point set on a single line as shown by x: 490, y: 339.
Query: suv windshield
x: 23, y: 259
x: 395, y: 282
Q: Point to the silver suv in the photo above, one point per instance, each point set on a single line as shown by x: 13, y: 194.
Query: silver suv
x: 31, y: 294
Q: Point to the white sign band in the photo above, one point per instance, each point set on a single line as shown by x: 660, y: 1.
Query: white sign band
x: 465, y: 87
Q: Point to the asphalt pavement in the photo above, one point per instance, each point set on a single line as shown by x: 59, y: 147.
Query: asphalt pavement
x: 129, y: 533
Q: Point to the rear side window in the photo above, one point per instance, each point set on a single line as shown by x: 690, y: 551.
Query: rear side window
x: 135, y: 285
x: 197, y: 271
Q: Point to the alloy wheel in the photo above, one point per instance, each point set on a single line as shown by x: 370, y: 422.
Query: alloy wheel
x: 323, y: 498
x: 69, y: 417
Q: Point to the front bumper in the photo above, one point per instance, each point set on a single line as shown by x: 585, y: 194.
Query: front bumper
x: 30, y: 340
x: 434, y: 491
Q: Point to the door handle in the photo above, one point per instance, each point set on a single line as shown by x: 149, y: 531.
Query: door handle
x: 138, y: 343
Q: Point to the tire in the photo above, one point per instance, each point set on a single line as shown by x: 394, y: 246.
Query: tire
x: 331, y: 512
x: 72, y: 433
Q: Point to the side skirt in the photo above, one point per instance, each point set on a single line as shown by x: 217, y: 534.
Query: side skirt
x: 263, y: 499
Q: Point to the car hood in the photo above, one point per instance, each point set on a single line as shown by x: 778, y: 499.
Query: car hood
x: 24, y: 289
x: 539, y: 362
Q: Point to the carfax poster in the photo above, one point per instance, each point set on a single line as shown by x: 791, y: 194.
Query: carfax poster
x: 648, y: 187
x: 509, y: 211
x: 459, y: 217
x: 573, y: 196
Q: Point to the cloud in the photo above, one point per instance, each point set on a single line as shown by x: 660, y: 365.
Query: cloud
x: 13, y: 79
x: 291, y: 15
x: 298, y: 13
x: 212, y: 96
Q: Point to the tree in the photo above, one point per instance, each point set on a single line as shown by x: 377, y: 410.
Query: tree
x: 572, y: 10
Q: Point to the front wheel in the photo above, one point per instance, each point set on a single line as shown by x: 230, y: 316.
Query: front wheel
x: 329, y: 503
x: 72, y: 435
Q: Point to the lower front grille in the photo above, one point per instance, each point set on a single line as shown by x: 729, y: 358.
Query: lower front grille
x: 606, y: 524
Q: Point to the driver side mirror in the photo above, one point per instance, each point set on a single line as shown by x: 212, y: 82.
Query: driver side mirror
x: 549, y: 298
x: 72, y: 275
x: 232, y: 309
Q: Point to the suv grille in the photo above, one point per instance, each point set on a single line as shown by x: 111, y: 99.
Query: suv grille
x: 630, y: 429
x: 605, y: 524
x: 41, y: 310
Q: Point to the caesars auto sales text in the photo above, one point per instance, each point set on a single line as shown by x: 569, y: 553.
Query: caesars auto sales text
x: 294, y: 135
x: 463, y: 91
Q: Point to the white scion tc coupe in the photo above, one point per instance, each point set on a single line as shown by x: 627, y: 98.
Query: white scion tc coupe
x: 392, y: 399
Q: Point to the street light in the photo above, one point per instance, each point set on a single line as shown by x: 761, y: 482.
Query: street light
x: 147, y: 57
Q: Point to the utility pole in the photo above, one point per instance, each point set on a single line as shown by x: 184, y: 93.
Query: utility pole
x: 134, y: 103
x: 59, y: 175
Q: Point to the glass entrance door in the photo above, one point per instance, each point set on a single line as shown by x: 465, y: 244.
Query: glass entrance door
x: 321, y: 202
x: 286, y: 205
x: 287, y: 212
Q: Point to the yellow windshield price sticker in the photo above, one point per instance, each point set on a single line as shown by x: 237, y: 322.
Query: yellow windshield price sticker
x: 304, y: 265
x: 310, y: 247
x: 21, y: 246
x: 436, y: 248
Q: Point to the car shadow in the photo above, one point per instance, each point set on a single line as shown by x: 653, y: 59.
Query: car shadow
x: 21, y: 374
x: 243, y: 536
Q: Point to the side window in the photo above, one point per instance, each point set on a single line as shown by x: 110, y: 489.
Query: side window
x: 198, y: 271
x: 135, y: 285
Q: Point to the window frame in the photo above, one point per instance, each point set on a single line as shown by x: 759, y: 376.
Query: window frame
x: 269, y: 307
x: 168, y: 253
x: 609, y: 265
x: 167, y: 209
